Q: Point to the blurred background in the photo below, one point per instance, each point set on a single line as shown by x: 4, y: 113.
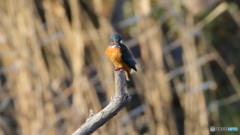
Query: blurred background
x: 53, y: 67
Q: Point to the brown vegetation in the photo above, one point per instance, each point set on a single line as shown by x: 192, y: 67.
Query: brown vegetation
x: 53, y: 69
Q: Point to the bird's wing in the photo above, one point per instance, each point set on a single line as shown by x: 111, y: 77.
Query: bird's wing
x: 127, y: 57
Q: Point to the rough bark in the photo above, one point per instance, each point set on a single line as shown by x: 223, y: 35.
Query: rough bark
x: 118, y: 101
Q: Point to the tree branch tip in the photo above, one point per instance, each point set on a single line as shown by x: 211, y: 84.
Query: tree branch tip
x: 119, y: 100
x: 119, y: 70
x: 91, y: 113
x: 129, y: 98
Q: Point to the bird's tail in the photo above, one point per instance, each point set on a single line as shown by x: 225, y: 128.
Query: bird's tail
x: 127, y: 74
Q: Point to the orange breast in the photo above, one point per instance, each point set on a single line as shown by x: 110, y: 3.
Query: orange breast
x: 114, y: 53
x: 115, y: 56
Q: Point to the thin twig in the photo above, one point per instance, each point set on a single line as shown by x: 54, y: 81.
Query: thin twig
x: 118, y: 101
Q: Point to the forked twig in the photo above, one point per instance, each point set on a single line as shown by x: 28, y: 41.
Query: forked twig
x: 118, y: 101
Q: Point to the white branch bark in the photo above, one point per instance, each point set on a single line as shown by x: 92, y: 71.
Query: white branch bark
x: 118, y: 101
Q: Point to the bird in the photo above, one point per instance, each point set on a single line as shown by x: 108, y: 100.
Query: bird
x: 120, y: 56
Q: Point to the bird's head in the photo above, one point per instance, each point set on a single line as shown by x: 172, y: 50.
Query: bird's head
x: 116, y: 38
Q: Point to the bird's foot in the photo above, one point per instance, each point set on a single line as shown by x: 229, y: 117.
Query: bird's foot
x: 116, y: 69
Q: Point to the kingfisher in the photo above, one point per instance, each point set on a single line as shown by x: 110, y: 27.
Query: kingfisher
x: 120, y: 55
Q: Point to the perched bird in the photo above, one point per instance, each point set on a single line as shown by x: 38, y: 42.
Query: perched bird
x: 120, y: 55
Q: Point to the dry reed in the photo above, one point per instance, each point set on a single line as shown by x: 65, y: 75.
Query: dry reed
x: 53, y: 68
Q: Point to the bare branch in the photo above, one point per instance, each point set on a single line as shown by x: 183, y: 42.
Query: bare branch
x: 118, y: 101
